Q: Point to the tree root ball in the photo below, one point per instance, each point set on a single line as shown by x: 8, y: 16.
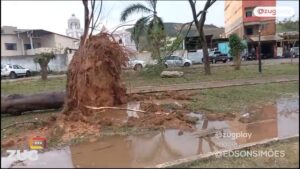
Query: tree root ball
x: 94, y: 75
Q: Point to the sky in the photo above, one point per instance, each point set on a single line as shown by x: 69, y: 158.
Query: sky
x: 53, y: 15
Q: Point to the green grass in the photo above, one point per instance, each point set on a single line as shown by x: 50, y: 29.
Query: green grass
x: 33, y: 86
x: 135, y: 79
x: 234, y: 99
x: 196, y: 74
x: 290, y: 160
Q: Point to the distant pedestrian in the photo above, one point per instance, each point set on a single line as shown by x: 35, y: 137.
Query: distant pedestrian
x: 253, y: 52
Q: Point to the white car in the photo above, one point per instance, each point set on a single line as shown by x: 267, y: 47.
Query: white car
x: 13, y: 71
x: 174, y: 61
x: 136, y: 64
x: 195, y: 57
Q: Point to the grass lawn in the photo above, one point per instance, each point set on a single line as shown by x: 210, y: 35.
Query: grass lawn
x: 290, y: 160
x: 236, y: 98
x: 146, y: 78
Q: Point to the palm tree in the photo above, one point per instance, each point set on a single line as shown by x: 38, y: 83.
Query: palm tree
x: 152, y: 26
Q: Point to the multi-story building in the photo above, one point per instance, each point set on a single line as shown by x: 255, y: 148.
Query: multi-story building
x: 20, y: 46
x: 239, y: 19
x: 18, y: 42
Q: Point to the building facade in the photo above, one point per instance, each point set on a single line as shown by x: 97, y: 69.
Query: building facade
x: 20, y: 46
x: 239, y: 19
x: 74, y: 29
x: 123, y: 37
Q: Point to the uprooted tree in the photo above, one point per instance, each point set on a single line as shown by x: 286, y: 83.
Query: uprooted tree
x: 93, y: 77
x: 43, y: 60
x: 199, y: 25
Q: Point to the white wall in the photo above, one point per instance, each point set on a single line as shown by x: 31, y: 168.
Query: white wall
x: 62, y: 41
x: 60, y: 63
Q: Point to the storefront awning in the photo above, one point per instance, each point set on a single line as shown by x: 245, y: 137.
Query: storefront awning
x: 266, y: 38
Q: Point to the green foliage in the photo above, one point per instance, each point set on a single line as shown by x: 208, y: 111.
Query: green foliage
x: 44, y: 58
x: 152, y: 70
x: 151, y: 26
x: 175, y: 44
x: 236, y: 45
x: 287, y: 25
x: 134, y: 8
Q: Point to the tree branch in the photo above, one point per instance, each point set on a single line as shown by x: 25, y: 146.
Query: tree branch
x: 86, y: 22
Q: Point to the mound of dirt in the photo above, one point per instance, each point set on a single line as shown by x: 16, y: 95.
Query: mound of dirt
x: 161, y: 120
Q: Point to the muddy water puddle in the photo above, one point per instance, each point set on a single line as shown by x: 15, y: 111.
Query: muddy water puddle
x: 271, y: 121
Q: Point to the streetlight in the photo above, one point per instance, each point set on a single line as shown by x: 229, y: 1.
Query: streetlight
x: 259, y: 50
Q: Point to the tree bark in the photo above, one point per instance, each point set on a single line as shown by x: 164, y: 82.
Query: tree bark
x: 199, y: 25
x: 238, y: 62
x: 17, y: 104
x: 44, y: 72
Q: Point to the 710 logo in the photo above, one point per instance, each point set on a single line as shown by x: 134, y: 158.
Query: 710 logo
x: 22, y: 156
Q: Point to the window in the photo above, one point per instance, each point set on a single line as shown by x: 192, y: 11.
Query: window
x: 249, y: 31
x: 249, y: 12
x: 20, y: 67
x: 177, y: 58
x: 37, y: 45
x: 27, y: 46
x: 11, y: 46
x: 15, y: 67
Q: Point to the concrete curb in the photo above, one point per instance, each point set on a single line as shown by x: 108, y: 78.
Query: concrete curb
x: 204, y: 156
x: 209, y: 84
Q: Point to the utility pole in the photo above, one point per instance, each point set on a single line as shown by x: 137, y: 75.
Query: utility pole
x: 259, y: 49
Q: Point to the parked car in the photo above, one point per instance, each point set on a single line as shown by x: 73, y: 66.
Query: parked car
x: 14, y: 71
x: 173, y: 61
x: 294, y: 52
x: 195, y: 57
x: 216, y: 56
x: 136, y: 64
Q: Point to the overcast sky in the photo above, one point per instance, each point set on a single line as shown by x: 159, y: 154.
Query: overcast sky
x: 53, y: 15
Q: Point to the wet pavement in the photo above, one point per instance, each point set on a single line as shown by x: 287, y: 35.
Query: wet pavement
x: 271, y: 121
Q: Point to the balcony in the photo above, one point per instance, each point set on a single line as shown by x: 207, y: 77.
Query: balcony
x: 43, y: 49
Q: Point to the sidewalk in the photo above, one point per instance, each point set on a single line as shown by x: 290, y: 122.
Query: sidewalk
x: 213, y: 84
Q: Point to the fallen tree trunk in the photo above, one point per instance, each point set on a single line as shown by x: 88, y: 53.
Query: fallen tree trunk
x: 17, y: 104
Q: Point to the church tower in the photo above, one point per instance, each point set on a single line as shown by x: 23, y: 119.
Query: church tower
x: 74, y: 30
